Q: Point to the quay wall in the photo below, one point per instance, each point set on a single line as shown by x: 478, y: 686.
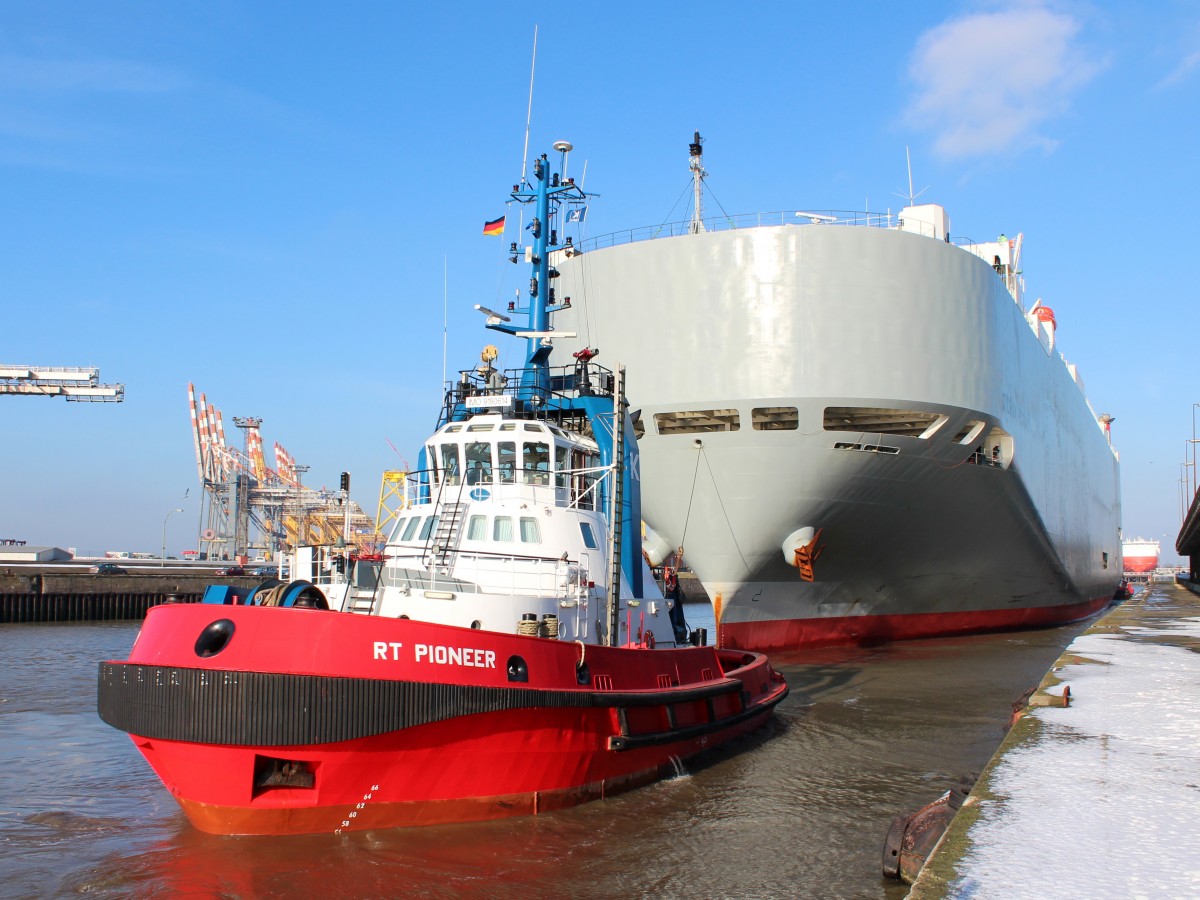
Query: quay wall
x: 79, y: 597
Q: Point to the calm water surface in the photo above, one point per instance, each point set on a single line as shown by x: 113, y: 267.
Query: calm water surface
x: 801, y: 811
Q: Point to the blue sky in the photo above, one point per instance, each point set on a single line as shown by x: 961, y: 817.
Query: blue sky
x: 273, y: 200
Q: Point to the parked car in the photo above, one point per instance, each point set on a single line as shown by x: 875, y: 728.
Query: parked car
x: 108, y: 569
x: 231, y: 570
x: 270, y: 571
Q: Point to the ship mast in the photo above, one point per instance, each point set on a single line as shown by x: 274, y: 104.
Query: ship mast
x: 696, y: 164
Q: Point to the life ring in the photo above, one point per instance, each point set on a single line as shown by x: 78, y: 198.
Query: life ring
x: 209, y: 534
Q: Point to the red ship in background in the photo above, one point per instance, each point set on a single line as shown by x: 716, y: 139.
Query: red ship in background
x: 509, y: 652
x: 1139, y: 556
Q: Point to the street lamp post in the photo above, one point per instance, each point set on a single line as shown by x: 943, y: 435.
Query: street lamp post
x: 164, y: 544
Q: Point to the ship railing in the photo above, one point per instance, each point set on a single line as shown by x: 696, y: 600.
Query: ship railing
x: 572, y: 488
x: 740, y: 221
x: 482, y: 572
x: 500, y: 390
x: 759, y: 220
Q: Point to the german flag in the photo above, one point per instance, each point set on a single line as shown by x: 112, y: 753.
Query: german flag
x: 496, y: 226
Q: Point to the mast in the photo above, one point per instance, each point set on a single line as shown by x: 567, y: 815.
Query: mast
x: 696, y: 164
x: 546, y: 192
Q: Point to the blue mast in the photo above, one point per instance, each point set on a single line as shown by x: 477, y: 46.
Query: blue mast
x: 542, y: 392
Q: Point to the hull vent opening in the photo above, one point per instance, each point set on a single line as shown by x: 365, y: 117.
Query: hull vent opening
x: 866, y: 448
x: 697, y: 421
x: 879, y: 420
x: 775, y: 418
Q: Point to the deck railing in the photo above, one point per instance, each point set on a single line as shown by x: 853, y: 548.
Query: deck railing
x: 758, y: 220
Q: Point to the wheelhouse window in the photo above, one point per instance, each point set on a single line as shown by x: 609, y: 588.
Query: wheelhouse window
x: 479, y: 462
x: 477, y: 528
x: 697, y: 421
x: 531, y: 532
x: 450, y: 463
x: 427, y: 527
x: 562, y: 459
x: 411, y: 530
x: 398, y: 529
x: 537, y: 463
x: 506, y: 461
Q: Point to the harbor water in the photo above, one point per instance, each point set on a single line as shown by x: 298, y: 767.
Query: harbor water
x: 801, y: 811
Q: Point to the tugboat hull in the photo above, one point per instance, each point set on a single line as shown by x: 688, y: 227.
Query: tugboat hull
x: 282, y: 745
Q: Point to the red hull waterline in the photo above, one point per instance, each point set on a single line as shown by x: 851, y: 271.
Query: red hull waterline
x: 792, y: 635
x: 309, y: 721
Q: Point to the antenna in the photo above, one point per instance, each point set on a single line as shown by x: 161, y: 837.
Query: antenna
x: 911, y: 196
x: 529, y: 110
x: 445, y: 314
x: 696, y: 164
x: 563, y: 148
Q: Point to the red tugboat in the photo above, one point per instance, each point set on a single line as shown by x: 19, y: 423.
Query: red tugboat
x: 505, y: 656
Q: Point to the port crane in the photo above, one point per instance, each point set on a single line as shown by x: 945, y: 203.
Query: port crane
x: 250, y: 505
x: 78, y: 384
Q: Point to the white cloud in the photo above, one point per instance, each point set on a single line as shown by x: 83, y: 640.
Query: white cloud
x: 1182, y: 71
x: 987, y: 81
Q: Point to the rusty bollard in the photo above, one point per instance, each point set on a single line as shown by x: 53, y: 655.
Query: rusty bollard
x: 912, y: 837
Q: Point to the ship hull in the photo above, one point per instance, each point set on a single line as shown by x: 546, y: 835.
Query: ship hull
x: 308, y: 721
x: 1003, y: 513
x: 1140, y: 556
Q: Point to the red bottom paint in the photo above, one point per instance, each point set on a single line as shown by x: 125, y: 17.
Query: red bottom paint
x: 789, y: 635
x: 482, y: 767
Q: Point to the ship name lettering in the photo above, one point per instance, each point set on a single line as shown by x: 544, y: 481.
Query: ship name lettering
x: 381, y: 649
x: 455, y: 656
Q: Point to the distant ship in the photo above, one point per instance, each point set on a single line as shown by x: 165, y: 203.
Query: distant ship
x: 854, y: 427
x: 1140, y: 556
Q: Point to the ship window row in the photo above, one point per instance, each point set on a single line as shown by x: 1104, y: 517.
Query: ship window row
x: 993, y: 448
x: 864, y: 419
x: 503, y: 426
x: 512, y: 462
x: 876, y: 420
x: 503, y: 529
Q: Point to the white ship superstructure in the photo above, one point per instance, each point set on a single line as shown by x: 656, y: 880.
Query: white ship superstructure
x: 853, y: 425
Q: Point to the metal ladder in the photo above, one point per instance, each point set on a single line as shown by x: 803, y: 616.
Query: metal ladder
x: 445, y: 537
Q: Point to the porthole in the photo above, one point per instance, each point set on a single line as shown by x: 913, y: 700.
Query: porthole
x: 214, y: 638
x: 476, y: 624
x: 517, y: 670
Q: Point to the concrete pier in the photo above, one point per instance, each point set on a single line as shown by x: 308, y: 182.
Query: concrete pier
x: 1094, y: 795
x: 30, y: 595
